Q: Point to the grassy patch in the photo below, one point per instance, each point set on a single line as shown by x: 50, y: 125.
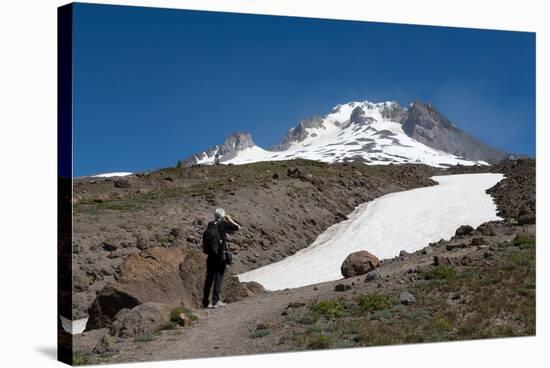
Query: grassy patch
x: 261, y: 330
x: 168, y: 326
x: 144, y: 338
x: 308, y: 318
x: 320, y: 342
x: 175, y: 314
x: 440, y: 273
x: 374, y: 302
x: 80, y: 359
x: 329, y: 308
x: 524, y: 241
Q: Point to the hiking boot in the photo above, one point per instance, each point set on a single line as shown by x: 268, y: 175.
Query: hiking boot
x: 219, y: 304
x: 209, y: 306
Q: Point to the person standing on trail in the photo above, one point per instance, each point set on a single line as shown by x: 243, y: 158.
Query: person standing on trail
x: 214, y: 244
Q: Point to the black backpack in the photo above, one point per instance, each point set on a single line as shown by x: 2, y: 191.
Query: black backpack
x: 211, y: 239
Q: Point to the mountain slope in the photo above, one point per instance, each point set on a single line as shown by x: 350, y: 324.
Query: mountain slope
x: 426, y: 125
x: 371, y: 133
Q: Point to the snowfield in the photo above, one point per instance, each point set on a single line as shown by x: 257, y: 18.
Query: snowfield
x: 112, y: 174
x: 407, y: 220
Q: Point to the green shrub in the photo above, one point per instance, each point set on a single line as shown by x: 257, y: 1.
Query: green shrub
x: 80, y: 359
x: 329, y: 308
x: 168, y: 326
x: 261, y: 330
x: 374, y: 302
x: 524, y: 241
x: 320, y: 342
x: 144, y: 338
x: 308, y: 318
x: 259, y: 333
x: 381, y: 314
x: 175, y: 314
x: 440, y: 273
x: 442, y: 324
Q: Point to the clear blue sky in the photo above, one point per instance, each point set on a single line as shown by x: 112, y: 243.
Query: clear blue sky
x: 152, y: 86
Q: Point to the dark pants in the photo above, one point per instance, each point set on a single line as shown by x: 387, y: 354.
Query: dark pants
x: 214, y: 273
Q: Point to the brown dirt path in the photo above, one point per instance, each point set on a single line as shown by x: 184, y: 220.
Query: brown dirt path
x: 226, y: 331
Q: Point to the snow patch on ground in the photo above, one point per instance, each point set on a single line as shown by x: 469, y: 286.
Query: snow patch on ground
x: 75, y: 327
x: 407, y: 220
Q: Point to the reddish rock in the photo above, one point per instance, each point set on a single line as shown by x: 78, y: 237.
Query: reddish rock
x: 170, y: 276
x: 359, y: 263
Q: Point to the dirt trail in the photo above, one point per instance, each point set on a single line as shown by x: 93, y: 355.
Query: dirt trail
x: 226, y: 331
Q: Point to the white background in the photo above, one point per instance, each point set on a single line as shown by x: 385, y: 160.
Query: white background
x: 28, y: 180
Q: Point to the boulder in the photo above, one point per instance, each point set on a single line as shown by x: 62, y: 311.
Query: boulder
x: 149, y: 276
x: 427, y: 250
x: 233, y: 290
x: 527, y: 232
x: 451, y: 247
x: 342, y: 287
x: 406, y: 298
x: 176, y: 232
x: 464, y: 230
x: 109, y: 247
x: 372, y: 276
x: 527, y: 218
x: 441, y: 261
x: 477, y: 241
x: 87, y: 341
x: 404, y: 253
x: 105, y: 345
x: 81, y: 281
x: 122, y: 183
x: 143, y: 319
x: 295, y: 173
x: 170, y: 276
x: 359, y: 263
x: 487, y: 229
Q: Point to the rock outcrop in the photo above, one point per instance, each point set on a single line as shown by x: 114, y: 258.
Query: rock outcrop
x: 425, y: 124
x: 141, y: 320
x: 171, y: 276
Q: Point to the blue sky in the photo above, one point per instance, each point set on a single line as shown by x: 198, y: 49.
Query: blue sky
x: 152, y: 86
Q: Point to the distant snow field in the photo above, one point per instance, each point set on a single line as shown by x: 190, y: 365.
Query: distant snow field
x: 112, y: 174
x: 407, y: 220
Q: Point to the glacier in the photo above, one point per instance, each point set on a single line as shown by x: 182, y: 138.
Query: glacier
x: 364, y: 131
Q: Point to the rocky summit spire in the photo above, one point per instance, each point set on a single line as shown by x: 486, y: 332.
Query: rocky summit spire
x: 425, y: 124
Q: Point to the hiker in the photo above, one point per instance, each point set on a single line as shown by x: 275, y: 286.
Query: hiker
x: 214, y: 242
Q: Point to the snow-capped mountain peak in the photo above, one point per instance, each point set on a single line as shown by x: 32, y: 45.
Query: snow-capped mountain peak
x: 372, y: 133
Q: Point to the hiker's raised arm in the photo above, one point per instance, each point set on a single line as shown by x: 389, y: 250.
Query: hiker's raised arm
x: 231, y: 221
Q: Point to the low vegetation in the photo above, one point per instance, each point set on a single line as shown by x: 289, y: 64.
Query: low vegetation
x: 175, y: 314
x: 261, y: 330
x: 144, y: 338
x: 80, y: 359
x: 440, y: 273
x: 374, y: 302
x: 453, y: 303
x: 329, y: 308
